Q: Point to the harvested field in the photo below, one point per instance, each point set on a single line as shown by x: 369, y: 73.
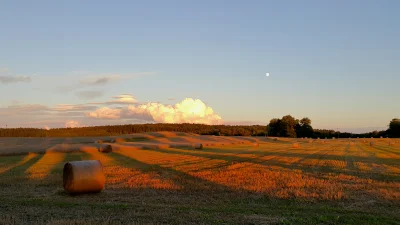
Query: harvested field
x: 160, y: 178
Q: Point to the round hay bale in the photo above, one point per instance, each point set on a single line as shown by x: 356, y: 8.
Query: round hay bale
x: 83, y: 177
x: 105, y: 148
x: 371, y: 143
x: 295, y: 145
x: 256, y: 144
x: 275, y: 139
x: 198, y: 146
x: 310, y: 141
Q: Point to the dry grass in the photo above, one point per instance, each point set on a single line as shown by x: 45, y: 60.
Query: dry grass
x: 150, y: 182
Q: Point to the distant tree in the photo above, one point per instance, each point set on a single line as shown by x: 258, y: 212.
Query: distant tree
x: 394, y: 128
x: 287, y: 126
x: 273, y: 127
x: 304, y: 128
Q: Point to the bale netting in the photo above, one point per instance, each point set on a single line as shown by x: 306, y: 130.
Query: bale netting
x: 105, y: 148
x: 198, y: 146
x: 83, y: 177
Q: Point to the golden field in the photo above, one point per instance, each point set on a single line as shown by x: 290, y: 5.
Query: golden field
x: 159, y: 178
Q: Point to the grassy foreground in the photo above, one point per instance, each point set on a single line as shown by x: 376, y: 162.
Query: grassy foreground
x: 332, y: 182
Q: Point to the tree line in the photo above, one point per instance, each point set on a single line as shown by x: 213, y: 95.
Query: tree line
x: 287, y: 126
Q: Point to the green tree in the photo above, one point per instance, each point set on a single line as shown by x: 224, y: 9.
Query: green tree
x: 287, y: 126
x: 394, y: 128
x: 304, y: 128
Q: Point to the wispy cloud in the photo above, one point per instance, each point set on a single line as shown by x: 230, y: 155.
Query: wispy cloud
x: 100, y: 80
x: 6, y: 77
x: 123, y: 99
x: 89, y: 94
x: 84, y: 79
x: 22, y: 109
x: 14, y: 79
x: 73, y: 107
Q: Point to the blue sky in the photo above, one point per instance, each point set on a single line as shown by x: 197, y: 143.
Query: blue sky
x: 336, y: 62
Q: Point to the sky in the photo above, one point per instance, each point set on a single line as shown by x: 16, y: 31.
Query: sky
x: 84, y: 63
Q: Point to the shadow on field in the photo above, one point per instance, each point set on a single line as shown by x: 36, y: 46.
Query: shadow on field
x: 19, y: 171
x: 315, y: 171
x: 188, y: 182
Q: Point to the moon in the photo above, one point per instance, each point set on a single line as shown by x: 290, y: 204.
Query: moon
x: 267, y: 74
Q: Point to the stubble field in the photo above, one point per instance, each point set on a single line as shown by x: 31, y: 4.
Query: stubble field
x: 159, y: 178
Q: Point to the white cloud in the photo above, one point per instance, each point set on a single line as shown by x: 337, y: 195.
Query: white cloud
x: 46, y: 128
x: 187, y: 111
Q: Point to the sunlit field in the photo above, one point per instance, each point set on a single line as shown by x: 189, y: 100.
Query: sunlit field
x: 159, y: 178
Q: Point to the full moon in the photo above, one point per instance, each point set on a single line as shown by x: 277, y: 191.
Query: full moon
x: 267, y: 74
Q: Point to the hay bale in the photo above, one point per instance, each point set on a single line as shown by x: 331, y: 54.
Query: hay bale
x: 275, y: 139
x: 310, y: 141
x: 83, y: 177
x: 198, y: 146
x: 99, y: 141
x: 371, y: 143
x: 105, y: 148
x: 256, y: 144
x: 295, y: 145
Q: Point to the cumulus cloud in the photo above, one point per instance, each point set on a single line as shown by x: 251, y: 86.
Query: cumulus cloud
x: 46, y: 128
x: 72, y: 124
x: 89, y: 94
x: 187, y: 111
